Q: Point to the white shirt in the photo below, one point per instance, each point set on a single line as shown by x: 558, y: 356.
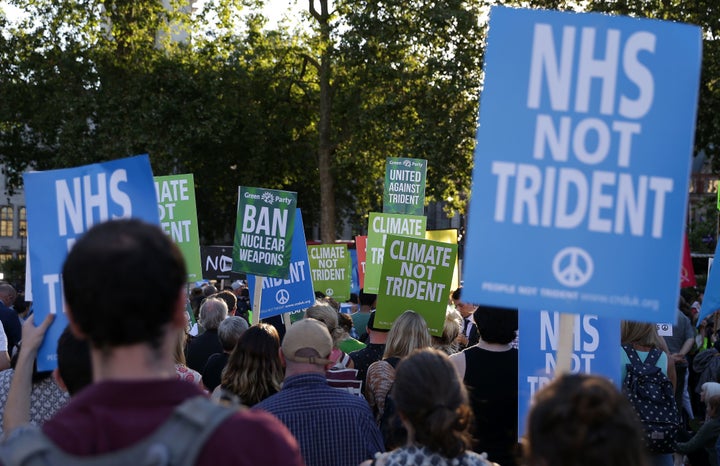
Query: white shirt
x: 3, y: 339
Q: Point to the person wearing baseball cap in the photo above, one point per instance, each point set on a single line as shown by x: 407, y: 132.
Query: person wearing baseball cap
x: 312, y: 410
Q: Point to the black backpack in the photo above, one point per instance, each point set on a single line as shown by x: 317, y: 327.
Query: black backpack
x: 652, y: 395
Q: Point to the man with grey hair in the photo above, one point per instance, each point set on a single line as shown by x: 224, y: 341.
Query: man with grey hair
x: 212, y: 312
x: 229, y: 333
x: 8, y: 317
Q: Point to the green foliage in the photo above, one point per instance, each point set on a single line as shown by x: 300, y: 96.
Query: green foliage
x: 235, y: 104
x: 92, y: 81
x: 13, y: 270
x: 703, y: 13
x: 406, y: 85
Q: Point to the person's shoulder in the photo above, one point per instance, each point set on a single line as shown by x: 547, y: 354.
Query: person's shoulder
x: 471, y: 458
x: 358, y: 352
x: 215, y: 356
x: 256, y: 424
x: 264, y: 439
x: 257, y: 418
x: 270, y: 403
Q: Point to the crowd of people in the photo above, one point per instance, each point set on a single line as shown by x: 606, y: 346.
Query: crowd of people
x: 140, y: 379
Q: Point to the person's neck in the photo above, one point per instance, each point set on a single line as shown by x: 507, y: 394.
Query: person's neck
x: 303, y: 368
x: 495, y: 347
x: 378, y: 338
x: 132, y: 362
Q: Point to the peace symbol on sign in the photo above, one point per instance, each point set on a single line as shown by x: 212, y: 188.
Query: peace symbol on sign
x: 282, y: 297
x: 573, y: 267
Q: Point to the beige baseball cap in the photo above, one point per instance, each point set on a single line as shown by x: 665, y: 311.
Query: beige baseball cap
x: 308, y: 333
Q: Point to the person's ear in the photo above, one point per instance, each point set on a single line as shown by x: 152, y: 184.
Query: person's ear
x: 179, y: 317
x: 58, y: 380
x: 74, y: 327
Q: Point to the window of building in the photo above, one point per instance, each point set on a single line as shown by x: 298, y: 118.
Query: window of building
x: 6, y: 221
x: 5, y: 256
x: 22, y: 222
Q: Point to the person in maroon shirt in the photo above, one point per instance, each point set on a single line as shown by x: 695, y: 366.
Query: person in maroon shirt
x: 131, y: 343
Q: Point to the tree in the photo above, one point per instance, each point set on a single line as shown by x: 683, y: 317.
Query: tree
x: 87, y: 81
x: 325, y: 149
x: 13, y: 271
x: 90, y: 80
x: 405, y: 84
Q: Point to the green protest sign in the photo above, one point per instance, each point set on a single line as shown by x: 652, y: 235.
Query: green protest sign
x: 404, y: 186
x: 178, y: 218
x: 416, y: 275
x: 379, y: 226
x: 330, y: 269
x: 263, y: 232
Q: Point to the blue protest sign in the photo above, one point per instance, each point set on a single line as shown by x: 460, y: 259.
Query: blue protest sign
x: 582, y: 163
x: 711, y: 298
x: 290, y: 294
x: 354, y: 278
x: 61, y: 206
x: 596, y: 350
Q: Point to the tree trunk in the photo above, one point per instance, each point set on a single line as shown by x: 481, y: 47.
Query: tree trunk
x: 327, y: 179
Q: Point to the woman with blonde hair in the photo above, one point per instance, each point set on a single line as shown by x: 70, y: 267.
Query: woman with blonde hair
x: 643, y: 338
x: 408, y: 333
x: 447, y: 342
x: 182, y: 371
x: 326, y: 314
x: 253, y: 371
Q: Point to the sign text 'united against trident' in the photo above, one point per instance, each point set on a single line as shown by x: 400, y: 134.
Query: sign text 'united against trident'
x: 607, y: 199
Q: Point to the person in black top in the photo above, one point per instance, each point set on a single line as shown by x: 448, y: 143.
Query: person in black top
x: 373, y: 351
x: 489, y: 370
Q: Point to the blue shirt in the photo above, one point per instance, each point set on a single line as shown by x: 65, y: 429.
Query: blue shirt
x: 332, y: 427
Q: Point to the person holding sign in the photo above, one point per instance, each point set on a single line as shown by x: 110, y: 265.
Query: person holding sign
x: 489, y: 370
x: 135, y: 394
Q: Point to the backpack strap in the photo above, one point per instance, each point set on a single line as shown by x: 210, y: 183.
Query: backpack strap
x: 178, y: 441
x: 651, y: 359
x: 26, y: 445
x: 184, y: 435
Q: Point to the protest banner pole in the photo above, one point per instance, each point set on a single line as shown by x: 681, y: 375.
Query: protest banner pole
x: 286, y: 320
x: 257, y: 300
x: 565, y: 342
